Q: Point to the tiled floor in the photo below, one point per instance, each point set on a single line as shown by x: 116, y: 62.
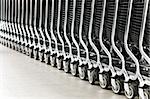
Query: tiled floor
x: 24, y: 78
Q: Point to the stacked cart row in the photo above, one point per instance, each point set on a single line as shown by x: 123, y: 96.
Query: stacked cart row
x: 104, y: 41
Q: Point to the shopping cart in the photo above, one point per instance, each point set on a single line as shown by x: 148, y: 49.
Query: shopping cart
x: 31, y: 29
x: 60, y: 33
x: 109, y: 8
x: 131, y: 39
x: 53, y: 27
x: 118, y: 51
x: 93, y: 36
x: 76, y: 11
x: 67, y: 35
x: 144, y: 74
x: 83, y: 34
x: 48, y: 49
x: 35, y: 28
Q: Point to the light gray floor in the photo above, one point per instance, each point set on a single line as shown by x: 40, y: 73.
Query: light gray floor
x: 24, y: 78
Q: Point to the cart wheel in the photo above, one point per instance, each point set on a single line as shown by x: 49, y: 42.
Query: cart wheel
x: 59, y: 63
x: 118, y: 87
x: 132, y: 92
x: 82, y: 73
x: 44, y: 57
x: 105, y: 81
x: 21, y: 50
x: 66, y: 65
x: 15, y: 47
x: 92, y: 76
x: 146, y: 95
x: 4, y: 43
x: 7, y: 44
x: 37, y: 55
x: 47, y: 59
x: 53, y: 61
x: 31, y: 53
x: 74, y: 69
x: 34, y: 53
x: 41, y: 56
x: 24, y: 50
x: 10, y: 45
x: 27, y: 51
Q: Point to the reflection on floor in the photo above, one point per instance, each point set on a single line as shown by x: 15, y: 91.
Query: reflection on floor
x: 24, y: 78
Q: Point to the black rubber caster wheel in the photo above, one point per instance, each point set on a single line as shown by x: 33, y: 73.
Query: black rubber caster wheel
x: 53, y: 61
x: 118, y: 88
x: 59, y: 63
x: 104, y: 81
x: 10, y: 46
x: 66, y: 66
x: 36, y: 55
x: 82, y: 72
x: 41, y: 56
x: 28, y: 53
x: 146, y: 94
x: 132, y: 92
x: 7, y: 44
x: 74, y: 69
x: 47, y: 58
x: 31, y: 53
x: 92, y: 75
